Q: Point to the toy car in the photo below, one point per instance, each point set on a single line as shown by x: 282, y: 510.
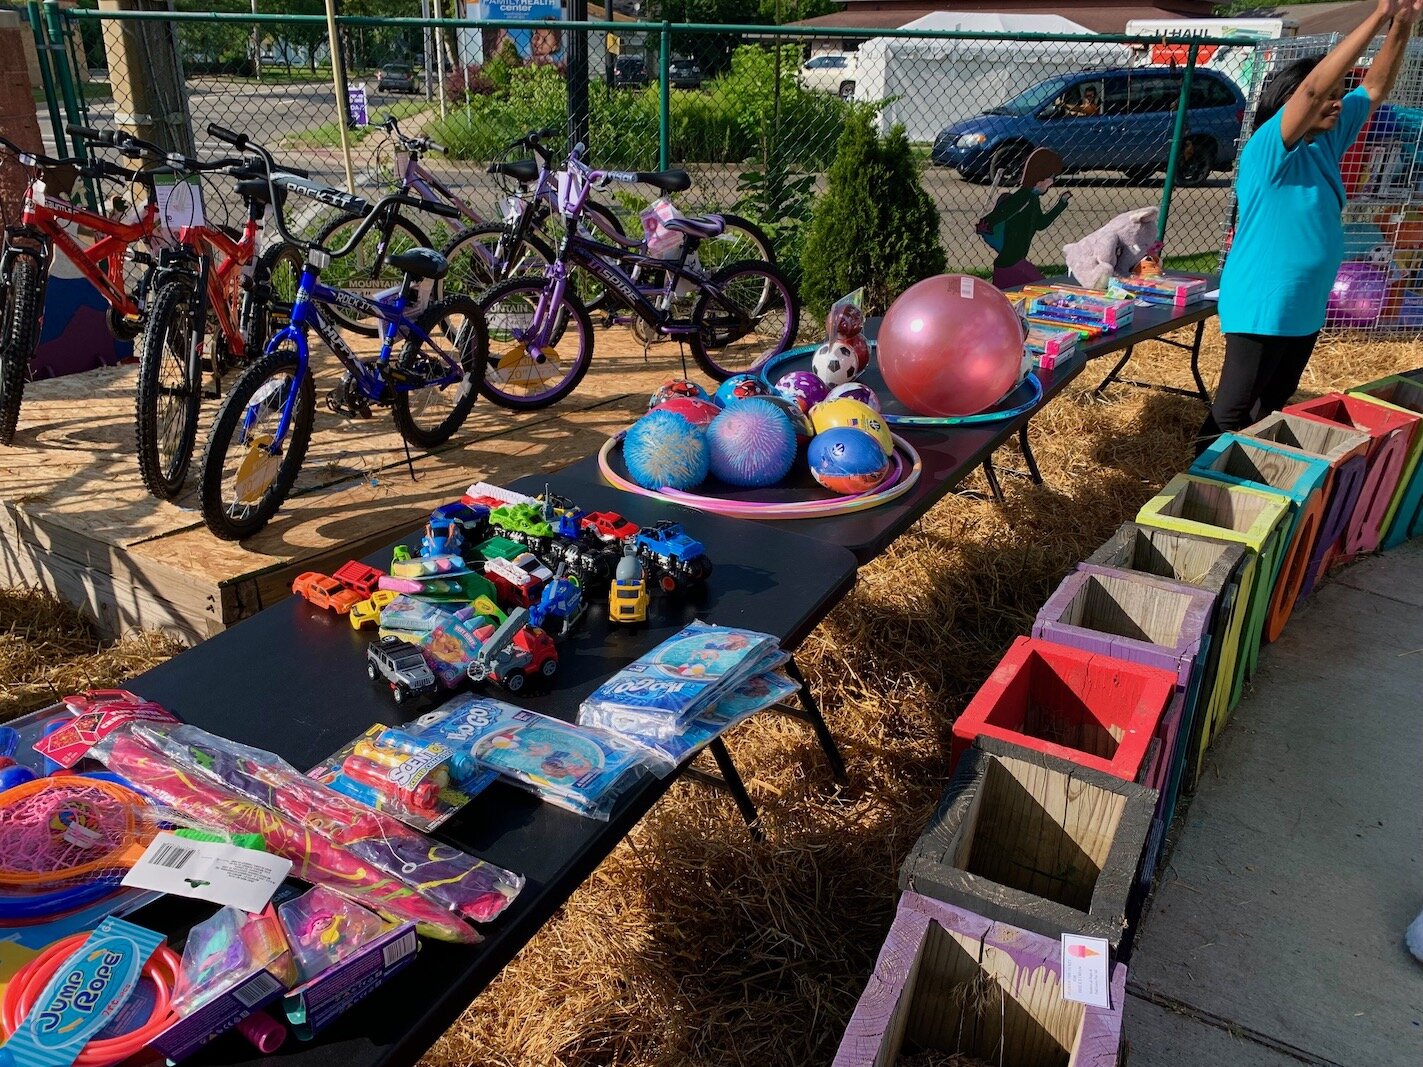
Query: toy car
x: 402, y: 665
x: 472, y: 519
x: 323, y: 591
x: 367, y: 612
x: 513, y: 652
x: 677, y: 555
x: 562, y: 598
x: 443, y: 537
x: 627, y: 596
x: 495, y: 548
x: 361, y: 577
x: 519, y: 581
x: 527, y: 519
x: 609, y: 526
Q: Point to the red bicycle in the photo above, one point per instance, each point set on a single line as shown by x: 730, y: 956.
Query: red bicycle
x: 211, y: 271
x: 27, y: 253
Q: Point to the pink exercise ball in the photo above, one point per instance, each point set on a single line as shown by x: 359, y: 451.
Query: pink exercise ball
x: 950, y: 345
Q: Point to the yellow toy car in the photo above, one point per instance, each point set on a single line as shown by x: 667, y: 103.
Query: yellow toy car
x: 627, y: 601
x: 367, y: 612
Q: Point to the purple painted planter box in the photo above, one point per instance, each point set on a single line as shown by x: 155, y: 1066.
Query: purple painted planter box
x: 916, y: 997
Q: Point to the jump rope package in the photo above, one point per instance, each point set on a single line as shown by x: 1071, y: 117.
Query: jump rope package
x: 330, y: 839
x: 583, y: 769
x: 402, y: 775
x: 679, y: 679
x: 753, y: 695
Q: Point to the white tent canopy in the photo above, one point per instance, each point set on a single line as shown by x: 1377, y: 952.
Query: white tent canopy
x: 936, y: 81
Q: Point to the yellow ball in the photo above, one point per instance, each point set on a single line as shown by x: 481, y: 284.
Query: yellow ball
x: 847, y: 412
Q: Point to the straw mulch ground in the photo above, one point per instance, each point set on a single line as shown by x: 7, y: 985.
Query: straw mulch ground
x: 693, y: 945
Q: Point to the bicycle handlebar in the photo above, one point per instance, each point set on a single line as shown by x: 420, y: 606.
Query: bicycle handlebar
x: 222, y: 133
x: 432, y: 207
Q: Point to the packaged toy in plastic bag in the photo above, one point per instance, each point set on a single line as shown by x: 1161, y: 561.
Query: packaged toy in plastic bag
x: 324, y: 928
x: 583, y: 769
x: 225, y: 950
x: 400, y: 774
x: 682, y: 677
x: 753, y: 695
x: 845, y: 353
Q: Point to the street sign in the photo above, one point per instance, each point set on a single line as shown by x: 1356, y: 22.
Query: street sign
x: 356, y: 105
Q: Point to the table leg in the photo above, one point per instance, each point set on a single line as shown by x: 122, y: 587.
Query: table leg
x: 817, y: 722
x: 992, y: 476
x: 729, y: 780
x: 1112, y: 374
x: 1028, y: 456
x: 1196, y: 363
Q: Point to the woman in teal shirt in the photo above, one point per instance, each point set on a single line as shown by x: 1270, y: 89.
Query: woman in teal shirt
x: 1289, y: 234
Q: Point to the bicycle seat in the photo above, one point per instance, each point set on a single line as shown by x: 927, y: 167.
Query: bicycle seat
x: 669, y: 181
x: 521, y: 170
x: 701, y: 226
x: 421, y: 263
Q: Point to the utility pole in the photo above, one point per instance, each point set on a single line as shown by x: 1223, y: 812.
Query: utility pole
x: 578, y: 71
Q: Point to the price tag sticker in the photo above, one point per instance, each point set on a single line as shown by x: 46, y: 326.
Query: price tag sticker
x: 1084, y: 970
x: 966, y: 287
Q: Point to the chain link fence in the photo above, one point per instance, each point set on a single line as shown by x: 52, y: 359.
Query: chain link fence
x: 753, y: 113
x: 1379, y: 288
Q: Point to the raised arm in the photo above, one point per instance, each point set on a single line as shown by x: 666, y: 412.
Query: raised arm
x: 1320, y: 89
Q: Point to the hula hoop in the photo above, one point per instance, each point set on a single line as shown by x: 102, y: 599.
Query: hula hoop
x: 25, y: 988
x: 45, y: 906
x: 900, y: 481
x: 981, y: 418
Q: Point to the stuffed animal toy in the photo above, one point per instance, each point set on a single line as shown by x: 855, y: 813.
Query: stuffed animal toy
x: 1115, y: 249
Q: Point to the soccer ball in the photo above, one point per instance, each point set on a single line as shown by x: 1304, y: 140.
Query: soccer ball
x: 834, y: 363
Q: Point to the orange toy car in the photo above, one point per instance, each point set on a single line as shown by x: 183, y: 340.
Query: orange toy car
x: 323, y: 591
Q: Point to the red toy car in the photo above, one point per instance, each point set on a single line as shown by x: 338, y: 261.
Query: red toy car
x: 512, y: 660
x: 517, y: 582
x: 323, y: 591
x: 609, y: 526
x: 356, y: 575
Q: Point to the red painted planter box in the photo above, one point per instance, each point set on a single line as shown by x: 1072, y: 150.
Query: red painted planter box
x: 1090, y: 709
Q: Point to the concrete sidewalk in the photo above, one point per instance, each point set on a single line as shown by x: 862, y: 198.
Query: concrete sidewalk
x: 1275, y: 936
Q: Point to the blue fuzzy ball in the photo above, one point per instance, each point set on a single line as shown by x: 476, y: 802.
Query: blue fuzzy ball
x: 752, y: 443
x: 664, y: 450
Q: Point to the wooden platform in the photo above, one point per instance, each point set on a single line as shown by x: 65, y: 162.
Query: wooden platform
x: 75, y: 518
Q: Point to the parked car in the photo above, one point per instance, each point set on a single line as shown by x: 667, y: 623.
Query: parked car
x: 833, y: 72
x: 397, y: 78
x: 1102, y: 120
x: 684, y: 73
x: 630, y: 72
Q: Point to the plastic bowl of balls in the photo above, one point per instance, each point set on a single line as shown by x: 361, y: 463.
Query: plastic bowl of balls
x: 785, y: 452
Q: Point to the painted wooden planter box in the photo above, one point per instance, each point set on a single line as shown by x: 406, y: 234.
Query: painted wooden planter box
x: 1391, y: 434
x: 1346, y: 451
x: 1215, y: 566
x: 1247, y: 461
x: 948, y: 980
x: 1043, y: 843
x: 1252, y: 517
x: 1405, y: 515
x: 1091, y: 709
x: 1145, y: 620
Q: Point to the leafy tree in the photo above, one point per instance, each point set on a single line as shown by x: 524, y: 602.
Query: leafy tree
x: 874, y: 226
x: 781, y: 12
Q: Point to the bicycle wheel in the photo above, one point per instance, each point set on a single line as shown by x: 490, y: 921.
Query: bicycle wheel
x: 169, y: 391
x: 247, y: 473
x: 746, y: 313
x: 19, y: 332
x: 278, y: 271
x: 355, y: 271
x: 429, y: 415
x: 516, y: 377
x: 480, y: 256
x: 741, y: 241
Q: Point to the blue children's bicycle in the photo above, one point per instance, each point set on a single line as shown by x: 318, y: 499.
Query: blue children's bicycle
x: 257, y: 444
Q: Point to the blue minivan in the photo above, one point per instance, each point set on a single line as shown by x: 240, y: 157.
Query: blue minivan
x: 1102, y: 120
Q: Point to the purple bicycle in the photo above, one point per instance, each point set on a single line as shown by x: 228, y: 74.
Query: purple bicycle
x: 541, y: 334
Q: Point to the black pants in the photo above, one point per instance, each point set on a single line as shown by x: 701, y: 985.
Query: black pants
x: 1259, y: 376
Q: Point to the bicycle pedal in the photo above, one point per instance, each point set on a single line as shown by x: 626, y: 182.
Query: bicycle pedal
x: 341, y: 402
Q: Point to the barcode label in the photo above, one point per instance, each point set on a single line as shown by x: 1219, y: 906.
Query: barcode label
x: 398, y: 949
x: 172, y: 856
x: 252, y: 993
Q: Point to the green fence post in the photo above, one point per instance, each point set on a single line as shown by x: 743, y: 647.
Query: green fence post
x: 51, y: 97
x: 1177, y: 137
x: 664, y: 103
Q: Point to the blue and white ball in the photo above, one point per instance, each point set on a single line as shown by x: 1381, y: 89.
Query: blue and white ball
x: 752, y: 444
x: 856, y: 391
x: 834, y: 363
x: 662, y: 450
x: 739, y: 387
x: 847, y: 460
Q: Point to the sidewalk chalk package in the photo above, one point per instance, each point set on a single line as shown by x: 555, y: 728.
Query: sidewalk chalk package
x: 583, y: 769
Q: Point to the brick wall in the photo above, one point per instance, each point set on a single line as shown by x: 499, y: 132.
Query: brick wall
x: 17, y: 109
